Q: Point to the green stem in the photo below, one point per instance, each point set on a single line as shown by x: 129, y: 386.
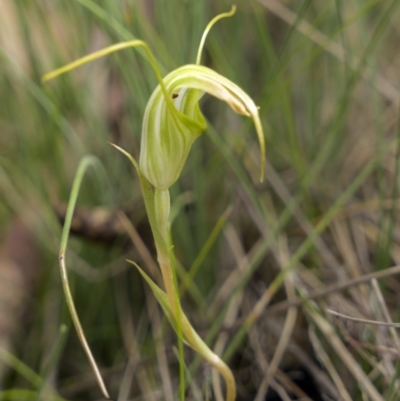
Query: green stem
x: 157, y: 205
x: 162, y: 208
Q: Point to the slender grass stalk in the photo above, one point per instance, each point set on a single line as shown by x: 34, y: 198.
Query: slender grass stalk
x: 25, y: 371
x: 54, y: 357
x: 204, y: 251
x: 301, y: 251
x: 85, y: 163
x: 182, y: 365
x: 18, y: 394
x: 31, y: 376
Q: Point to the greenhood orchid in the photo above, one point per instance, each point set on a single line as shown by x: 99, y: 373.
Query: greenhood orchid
x: 172, y: 119
x: 171, y: 123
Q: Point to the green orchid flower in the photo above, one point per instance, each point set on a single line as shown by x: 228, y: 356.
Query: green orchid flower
x: 171, y: 123
x: 172, y: 119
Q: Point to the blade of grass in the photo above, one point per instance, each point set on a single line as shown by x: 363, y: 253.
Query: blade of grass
x: 301, y: 251
x: 26, y: 395
x: 54, y: 357
x: 338, y: 346
x: 85, y: 163
x: 24, y: 370
x: 204, y: 251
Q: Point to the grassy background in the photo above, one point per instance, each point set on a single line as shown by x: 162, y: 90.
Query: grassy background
x: 325, y: 75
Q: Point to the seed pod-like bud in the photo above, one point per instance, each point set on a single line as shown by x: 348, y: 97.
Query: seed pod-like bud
x: 173, y: 120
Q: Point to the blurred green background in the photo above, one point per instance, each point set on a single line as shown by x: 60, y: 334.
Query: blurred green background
x: 325, y: 75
